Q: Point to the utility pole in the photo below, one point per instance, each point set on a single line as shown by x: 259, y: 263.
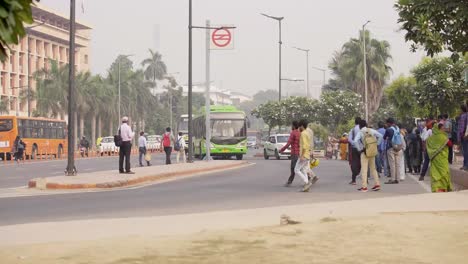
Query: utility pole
x: 71, y: 169
x: 207, y: 95
x: 307, y: 69
x: 190, y: 130
x: 279, y: 19
x: 365, y: 69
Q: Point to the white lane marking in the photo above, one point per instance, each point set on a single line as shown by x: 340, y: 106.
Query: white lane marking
x: 423, y: 184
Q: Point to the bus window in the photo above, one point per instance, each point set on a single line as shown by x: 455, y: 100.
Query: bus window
x: 6, y: 124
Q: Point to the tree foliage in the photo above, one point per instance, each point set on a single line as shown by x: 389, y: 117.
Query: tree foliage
x: 13, y: 15
x: 347, y: 66
x: 437, y: 25
x: 440, y: 84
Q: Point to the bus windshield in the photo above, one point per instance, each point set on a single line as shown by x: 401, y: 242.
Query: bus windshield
x: 6, y: 124
x: 183, y: 125
x: 228, y: 128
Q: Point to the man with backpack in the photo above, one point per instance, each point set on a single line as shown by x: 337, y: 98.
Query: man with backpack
x: 367, y: 142
x: 395, y: 146
x: 179, y: 146
x: 167, y: 143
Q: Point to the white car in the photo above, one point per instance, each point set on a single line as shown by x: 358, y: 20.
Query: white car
x: 274, y: 144
x: 108, y: 146
x: 153, y: 143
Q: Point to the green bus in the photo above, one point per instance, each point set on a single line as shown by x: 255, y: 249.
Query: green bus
x: 228, y: 133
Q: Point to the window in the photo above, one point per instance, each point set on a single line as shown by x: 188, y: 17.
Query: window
x: 283, y: 139
x: 6, y: 124
x: 272, y: 140
x: 228, y: 128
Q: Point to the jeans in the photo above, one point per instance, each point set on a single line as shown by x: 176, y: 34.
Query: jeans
x: 465, y: 153
x: 355, y: 163
x: 425, y: 165
x: 168, y: 151
x: 124, y: 153
x: 394, y: 160
x: 301, y: 169
x: 368, y: 163
x: 294, y: 159
x: 386, y: 168
x: 378, y: 162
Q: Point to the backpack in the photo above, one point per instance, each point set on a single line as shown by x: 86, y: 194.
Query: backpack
x: 177, y: 145
x: 20, y: 145
x: 166, y: 140
x: 397, y: 143
x: 118, y: 139
x: 370, y: 144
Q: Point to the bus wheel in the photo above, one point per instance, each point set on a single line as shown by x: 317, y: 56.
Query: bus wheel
x: 239, y: 156
x: 59, y: 152
x: 34, y: 152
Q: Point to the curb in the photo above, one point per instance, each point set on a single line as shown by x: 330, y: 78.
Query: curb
x: 136, y: 181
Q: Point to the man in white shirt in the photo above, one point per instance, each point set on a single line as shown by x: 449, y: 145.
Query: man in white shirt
x: 427, y: 132
x: 142, y: 149
x: 179, y: 146
x: 126, y: 134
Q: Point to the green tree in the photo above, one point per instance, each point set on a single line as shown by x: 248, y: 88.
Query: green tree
x: 155, y: 68
x: 338, y: 107
x: 436, y: 25
x: 272, y: 113
x: 348, y: 70
x: 440, y: 85
x: 13, y: 15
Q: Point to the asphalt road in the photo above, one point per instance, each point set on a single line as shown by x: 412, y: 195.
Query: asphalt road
x: 16, y: 175
x: 259, y: 185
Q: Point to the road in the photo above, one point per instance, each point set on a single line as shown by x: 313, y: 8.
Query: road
x: 256, y: 186
x: 15, y: 175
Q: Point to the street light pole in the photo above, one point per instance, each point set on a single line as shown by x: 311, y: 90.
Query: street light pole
x: 190, y: 131
x: 71, y: 169
x: 279, y: 19
x: 307, y: 69
x: 365, y: 68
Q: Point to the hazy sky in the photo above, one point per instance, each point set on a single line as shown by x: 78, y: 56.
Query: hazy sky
x: 127, y: 27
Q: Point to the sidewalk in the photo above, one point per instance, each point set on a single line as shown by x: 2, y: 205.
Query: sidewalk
x: 459, y: 177
x: 113, y: 179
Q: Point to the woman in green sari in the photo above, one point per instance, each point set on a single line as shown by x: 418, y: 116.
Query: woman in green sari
x: 437, y: 148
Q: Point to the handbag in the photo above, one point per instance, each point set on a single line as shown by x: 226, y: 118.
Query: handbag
x: 118, y: 139
x: 148, y: 156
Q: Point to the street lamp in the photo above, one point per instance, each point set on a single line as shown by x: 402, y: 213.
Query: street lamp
x: 307, y: 69
x: 279, y: 19
x: 365, y: 68
x: 119, y: 60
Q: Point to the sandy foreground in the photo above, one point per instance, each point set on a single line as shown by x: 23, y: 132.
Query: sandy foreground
x: 422, y: 237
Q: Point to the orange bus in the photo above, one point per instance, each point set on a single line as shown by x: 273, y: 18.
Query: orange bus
x: 42, y: 136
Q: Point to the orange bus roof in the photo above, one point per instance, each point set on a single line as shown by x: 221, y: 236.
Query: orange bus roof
x: 34, y: 118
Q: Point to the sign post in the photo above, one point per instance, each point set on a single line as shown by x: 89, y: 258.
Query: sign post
x: 207, y: 94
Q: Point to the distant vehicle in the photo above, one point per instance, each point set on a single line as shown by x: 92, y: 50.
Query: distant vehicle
x: 252, y: 142
x: 42, y: 136
x: 228, y: 133
x: 108, y: 146
x: 182, y: 126
x: 274, y: 144
x: 153, y: 143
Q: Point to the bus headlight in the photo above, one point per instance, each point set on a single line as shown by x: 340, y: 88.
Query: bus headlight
x: 242, y: 145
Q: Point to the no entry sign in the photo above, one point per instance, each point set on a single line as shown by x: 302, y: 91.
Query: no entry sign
x: 221, y: 38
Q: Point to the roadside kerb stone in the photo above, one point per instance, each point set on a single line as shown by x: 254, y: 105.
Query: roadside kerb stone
x: 112, y: 179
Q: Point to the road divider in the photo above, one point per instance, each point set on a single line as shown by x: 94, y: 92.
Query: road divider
x: 143, y: 175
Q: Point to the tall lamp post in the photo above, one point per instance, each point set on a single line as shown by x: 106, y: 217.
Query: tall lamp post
x: 365, y: 68
x: 279, y: 19
x: 71, y: 169
x: 119, y: 61
x: 307, y: 69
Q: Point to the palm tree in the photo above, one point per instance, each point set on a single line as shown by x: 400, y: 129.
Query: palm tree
x: 348, y: 67
x: 155, y: 68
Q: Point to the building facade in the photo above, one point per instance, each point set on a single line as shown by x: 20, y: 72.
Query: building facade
x: 47, y: 39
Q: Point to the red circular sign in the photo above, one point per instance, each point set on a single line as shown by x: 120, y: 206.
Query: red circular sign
x: 221, y: 37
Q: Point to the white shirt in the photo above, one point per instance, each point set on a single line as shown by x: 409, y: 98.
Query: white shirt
x: 141, y: 142
x: 426, y: 134
x: 352, y: 135
x: 181, y: 141
x: 126, y: 132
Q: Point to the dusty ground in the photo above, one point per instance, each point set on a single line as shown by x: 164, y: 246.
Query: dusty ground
x: 414, y: 238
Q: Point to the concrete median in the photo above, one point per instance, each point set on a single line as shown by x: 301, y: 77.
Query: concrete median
x: 113, y: 179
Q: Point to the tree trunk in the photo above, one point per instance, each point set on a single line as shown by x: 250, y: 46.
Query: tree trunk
x: 75, y: 130
x: 111, y: 127
x: 93, y: 131
x: 81, y: 126
x: 99, y: 126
